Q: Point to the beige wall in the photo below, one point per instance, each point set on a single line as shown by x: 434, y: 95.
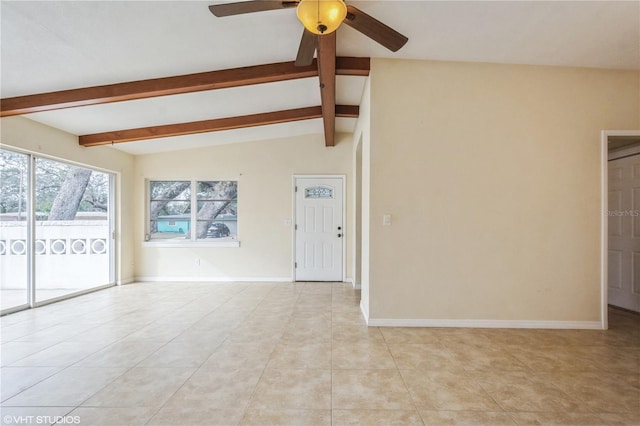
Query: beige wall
x: 492, y: 176
x: 37, y: 138
x: 264, y: 171
x: 490, y: 172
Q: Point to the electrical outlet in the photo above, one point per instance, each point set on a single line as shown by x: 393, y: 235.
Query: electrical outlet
x: 386, y: 220
x: 198, y: 261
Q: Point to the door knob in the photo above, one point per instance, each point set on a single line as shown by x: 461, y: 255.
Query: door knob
x: 339, y: 235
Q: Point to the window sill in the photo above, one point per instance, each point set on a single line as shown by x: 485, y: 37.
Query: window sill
x: 183, y: 244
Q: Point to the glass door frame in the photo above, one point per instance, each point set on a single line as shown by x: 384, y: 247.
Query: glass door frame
x: 31, y: 231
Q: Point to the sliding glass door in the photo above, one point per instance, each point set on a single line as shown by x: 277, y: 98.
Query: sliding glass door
x: 73, y: 229
x: 14, y: 215
x: 57, y: 238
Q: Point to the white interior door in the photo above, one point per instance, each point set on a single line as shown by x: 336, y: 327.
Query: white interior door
x: 319, y: 229
x: 624, y: 233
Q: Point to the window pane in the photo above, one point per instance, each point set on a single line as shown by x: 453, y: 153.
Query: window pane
x: 170, y: 210
x: 72, y: 235
x: 13, y: 229
x: 217, y: 210
x: 170, y: 220
x: 217, y: 190
x: 217, y: 219
x: 170, y: 190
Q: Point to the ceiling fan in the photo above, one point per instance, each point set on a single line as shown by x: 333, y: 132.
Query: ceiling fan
x: 319, y: 17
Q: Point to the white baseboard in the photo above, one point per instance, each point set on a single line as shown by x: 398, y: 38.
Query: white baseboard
x: 127, y: 281
x: 215, y: 279
x: 351, y: 281
x: 569, y: 325
x: 365, y: 312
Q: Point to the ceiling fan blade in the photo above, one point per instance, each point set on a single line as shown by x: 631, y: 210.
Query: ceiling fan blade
x: 374, y: 29
x: 307, y: 49
x: 229, y: 9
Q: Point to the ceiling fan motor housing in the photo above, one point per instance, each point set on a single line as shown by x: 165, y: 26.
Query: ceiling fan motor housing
x: 321, y: 16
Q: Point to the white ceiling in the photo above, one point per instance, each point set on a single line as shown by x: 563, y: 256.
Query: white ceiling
x: 56, y: 45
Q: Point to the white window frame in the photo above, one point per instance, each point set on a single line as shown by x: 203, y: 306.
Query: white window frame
x: 192, y: 242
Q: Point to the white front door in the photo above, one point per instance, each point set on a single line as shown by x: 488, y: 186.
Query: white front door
x: 624, y: 233
x: 319, y: 229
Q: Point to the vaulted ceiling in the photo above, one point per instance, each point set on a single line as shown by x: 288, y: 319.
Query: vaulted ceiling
x: 62, y: 45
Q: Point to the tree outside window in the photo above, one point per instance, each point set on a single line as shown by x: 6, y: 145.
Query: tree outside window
x: 186, y: 210
x: 63, y: 191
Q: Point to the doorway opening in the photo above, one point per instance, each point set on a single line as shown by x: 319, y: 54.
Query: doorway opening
x: 620, y: 222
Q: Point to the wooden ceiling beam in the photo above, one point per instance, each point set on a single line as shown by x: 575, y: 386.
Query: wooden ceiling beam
x: 189, y: 83
x: 327, y: 76
x: 348, y: 65
x: 230, y: 123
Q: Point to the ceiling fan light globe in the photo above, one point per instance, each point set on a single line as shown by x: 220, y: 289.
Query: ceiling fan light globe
x: 321, y: 16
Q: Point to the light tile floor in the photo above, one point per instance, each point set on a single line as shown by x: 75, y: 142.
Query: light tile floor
x: 300, y: 353
x: 15, y: 298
